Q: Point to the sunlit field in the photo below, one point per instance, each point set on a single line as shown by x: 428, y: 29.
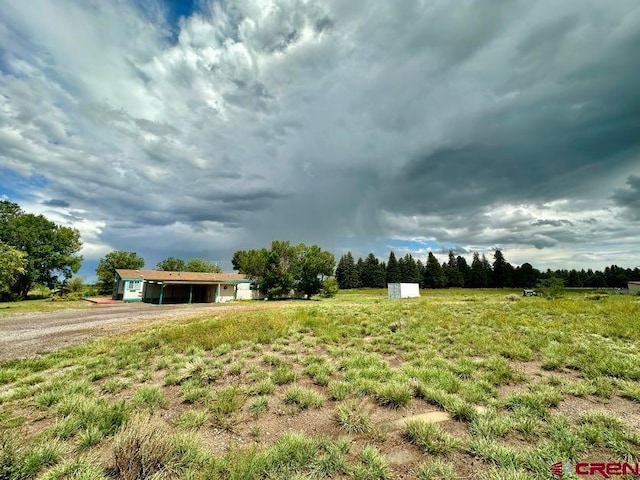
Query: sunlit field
x: 456, y: 384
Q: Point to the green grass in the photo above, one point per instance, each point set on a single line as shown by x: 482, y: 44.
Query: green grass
x: 303, y: 397
x: 352, y: 420
x: 430, y: 437
x: 348, y: 366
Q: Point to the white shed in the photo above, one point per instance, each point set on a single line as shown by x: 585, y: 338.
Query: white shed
x: 634, y: 287
x: 403, y: 290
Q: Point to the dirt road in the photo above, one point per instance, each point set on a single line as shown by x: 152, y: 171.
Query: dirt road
x: 27, y: 334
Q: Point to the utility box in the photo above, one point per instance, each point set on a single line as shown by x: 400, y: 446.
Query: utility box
x: 403, y: 290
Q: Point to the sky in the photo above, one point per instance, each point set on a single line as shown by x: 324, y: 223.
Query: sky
x: 198, y: 128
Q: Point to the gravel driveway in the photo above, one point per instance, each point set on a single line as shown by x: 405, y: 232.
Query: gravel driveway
x: 27, y: 334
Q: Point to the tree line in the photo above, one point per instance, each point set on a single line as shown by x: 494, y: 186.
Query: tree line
x: 456, y: 272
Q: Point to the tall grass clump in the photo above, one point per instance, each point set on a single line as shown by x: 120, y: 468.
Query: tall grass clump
x: 143, y: 448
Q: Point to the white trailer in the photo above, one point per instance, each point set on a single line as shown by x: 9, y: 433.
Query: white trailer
x: 403, y: 290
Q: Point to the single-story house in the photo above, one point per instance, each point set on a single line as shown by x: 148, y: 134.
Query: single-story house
x: 634, y: 287
x: 158, y: 286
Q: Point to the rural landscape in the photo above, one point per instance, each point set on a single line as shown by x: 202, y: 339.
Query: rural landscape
x: 319, y: 239
x: 456, y: 384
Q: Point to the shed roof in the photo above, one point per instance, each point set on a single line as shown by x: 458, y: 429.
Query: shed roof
x: 165, y: 276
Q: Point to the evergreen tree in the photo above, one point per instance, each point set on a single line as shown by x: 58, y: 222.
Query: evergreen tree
x: 488, y: 271
x: 478, y: 272
x: 371, y: 273
x: 465, y: 270
x: 393, y: 274
x: 410, y: 271
x: 453, y: 275
x: 347, y: 273
x: 433, y: 276
x: 499, y: 270
x: 420, y: 277
x: 359, y: 270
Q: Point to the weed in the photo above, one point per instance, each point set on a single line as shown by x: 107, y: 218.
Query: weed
x: 353, y: 421
x: 149, y: 397
x: 265, y: 387
x: 394, y: 394
x: 374, y: 466
x: 303, y: 397
x: 436, y: 470
x: 283, y: 374
x: 430, y: 437
x: 192, y: 419
x: 339, y: 390
x: 224, y: 405
x: 259, y: 405
x: 143, y: 448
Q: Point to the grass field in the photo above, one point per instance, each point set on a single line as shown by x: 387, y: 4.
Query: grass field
x: 344, y: 388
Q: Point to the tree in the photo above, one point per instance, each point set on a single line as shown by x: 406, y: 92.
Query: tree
x: 465, y: 270
x: 285, y: 268
x: 314, y: 264
x: 393, y: 274
x: 347, y: 272
x: 172, y: 264
x: 13, y: 263
x: 453, y: 275
x: 433, y: 276
x: 200, y: 265
x: 250, y: 262
x: 478, y: 274
x: 372, y: 275
x: 51, y: 250
x: 106, y: 269
x: 409, y: 271
x: 499, y: 270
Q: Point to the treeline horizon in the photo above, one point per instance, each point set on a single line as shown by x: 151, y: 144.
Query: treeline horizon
x: 371, y: 272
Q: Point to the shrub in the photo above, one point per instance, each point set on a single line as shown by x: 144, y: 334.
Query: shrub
x: 329, y: 287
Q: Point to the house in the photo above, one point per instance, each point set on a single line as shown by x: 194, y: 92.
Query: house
x: 158, y: 286
x: 403, y: 290
x: 634, y: 287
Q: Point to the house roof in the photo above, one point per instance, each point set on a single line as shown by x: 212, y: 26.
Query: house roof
x: 180, y: 277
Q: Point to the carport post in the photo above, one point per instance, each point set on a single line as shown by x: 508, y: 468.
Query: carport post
x: 161, y: 294
x: 190, y: 293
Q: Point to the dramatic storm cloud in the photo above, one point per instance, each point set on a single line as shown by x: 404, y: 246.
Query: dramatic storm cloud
x: 414, y: 125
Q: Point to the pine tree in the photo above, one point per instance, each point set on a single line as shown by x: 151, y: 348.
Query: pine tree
x: 478, y: 272
x: 454, y: 277
x: 433, y: 277
x: 499, y: 270
x: 346, y: 272
x: 393, y: 273
x: 465, y: 270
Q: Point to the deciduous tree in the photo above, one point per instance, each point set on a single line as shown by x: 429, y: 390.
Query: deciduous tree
x: 106, y: 269
x: 51, y: 250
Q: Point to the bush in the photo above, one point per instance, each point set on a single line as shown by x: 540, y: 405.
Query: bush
x: 329, y: 287
x: 552, y: 287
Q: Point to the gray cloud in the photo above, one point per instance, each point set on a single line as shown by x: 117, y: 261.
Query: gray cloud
x: 471, y: 124
x: 54, y: 202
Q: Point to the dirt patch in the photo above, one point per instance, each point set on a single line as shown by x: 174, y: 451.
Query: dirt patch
x: 627, y: 411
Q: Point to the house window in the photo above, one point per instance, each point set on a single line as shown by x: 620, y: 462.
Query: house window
x: 135, y: 285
